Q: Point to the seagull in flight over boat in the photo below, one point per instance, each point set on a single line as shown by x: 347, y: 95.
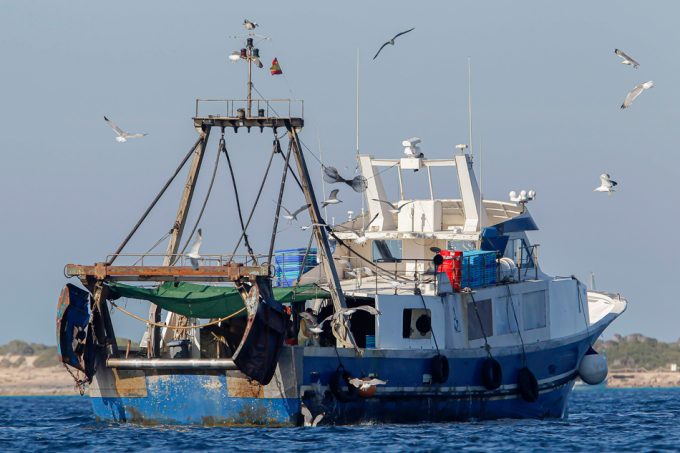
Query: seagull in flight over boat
x: 290, y: 216
x: 193, y: 254
x: 346, y: 312
x: 606, y: 184
x: 121, y: 135
x: 306, y: 227
x: 307, y: 417
x: 393, y: 208
x: 249, y: 25
x: 626, y: 59
x: 332, y: 198
x: 365, y: 383
x: 361, y: 235
x: 391, y: 41
x: 636, y: 92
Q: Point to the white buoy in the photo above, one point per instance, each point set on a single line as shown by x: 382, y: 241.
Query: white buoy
x: 593, y: 368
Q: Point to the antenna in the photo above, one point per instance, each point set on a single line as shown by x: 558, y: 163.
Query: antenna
x: 470, y: 104
x: 481, y: 194
x: 363, y: 198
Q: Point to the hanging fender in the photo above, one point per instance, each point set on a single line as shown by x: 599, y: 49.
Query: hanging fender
x: 527, y: 385
x: 492, y: 373
x: 339, y: 379
x: 440, y: 369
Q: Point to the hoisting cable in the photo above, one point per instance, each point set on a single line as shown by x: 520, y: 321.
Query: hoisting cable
x: 519, y: 331
x: 223, y: 147
x: 153, y: 203
x: 304, y: 260
x: 278, y: 203
x: 162, y: 324
x: 200, y: 213
x: 487, y: 347
x: 276, y: 149
x: 418, y: 292
x: 152, y: 247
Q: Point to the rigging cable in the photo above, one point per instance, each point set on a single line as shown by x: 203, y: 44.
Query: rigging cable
x: 276, y: 149
x: 487, y: 347
x: 223, y: 147
x: 205, y: 202
x: 153, y: 203
x: 519, y: 331
x: 278, y: 203
x: 418, y: 292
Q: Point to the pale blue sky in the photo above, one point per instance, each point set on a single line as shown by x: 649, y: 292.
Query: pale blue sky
x: 546, y: 89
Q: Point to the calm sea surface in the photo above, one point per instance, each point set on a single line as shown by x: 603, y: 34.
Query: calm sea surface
x: 599, y: 420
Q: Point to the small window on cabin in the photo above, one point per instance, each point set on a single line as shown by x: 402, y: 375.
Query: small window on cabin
x: 504, y: 317
x: 482, y: 324
x: 417, y: 324
x: 461, y: 246
x: 534, y: 310
x: 518, y: 251
x: 387, y: 251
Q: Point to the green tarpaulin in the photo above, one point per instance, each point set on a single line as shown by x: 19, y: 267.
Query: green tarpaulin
x: 205, y: 301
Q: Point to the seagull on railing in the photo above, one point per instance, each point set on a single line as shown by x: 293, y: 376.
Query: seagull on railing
x: 193, y: 254
x: 121, y: 135
x: 393, y: 208
x: 391, y: 41
x: 290, y: 216
x: 626, y: 59
x: 606, y: 184
x: 636, y: 92
x: 332, y: 198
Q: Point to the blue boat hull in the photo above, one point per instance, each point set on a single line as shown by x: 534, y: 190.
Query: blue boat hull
x: 210, y: 397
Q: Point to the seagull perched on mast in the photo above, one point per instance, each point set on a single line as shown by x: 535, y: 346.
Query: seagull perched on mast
x: 249, y: 25
x: 193, y: 254
x: 122, y: 136
x: 606, y: 184
x: 636, y: 92
x: 391, y: 41
x: 626, y: 59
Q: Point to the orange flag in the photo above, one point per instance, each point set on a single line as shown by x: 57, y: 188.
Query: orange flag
x: 275, y: 69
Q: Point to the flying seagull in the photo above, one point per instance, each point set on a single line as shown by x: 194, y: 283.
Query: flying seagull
x: 361, y: 235
x: 331, y: 175
x: 307, y: 417
x: 636, y: 92
x: 250, y: 25
x: 365, y: 384
x: 306, y: 227
x: 332, y: 198
x: 393, y: 208
x: 391, y: 41
x: 606, y: 184
x: 626, y: 59
x: 122, y: 136
x: 193, y: 254
x: 346, y: 312
x: 290, y: 216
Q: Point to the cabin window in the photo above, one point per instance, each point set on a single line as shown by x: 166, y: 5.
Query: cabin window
x: 519, y: 251
x: 533, y: 310
x: 475, y: 329
x: 417, y: 324
x: 461, y: 246
x: 504, y: 317
x: 387, y: 251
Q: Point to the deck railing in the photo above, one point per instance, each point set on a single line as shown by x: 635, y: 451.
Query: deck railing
x: 260, y: 108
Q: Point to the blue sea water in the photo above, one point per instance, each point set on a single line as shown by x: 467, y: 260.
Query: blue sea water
x: 599, y: 420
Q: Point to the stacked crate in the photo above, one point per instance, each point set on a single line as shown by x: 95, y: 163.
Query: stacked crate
x: 478, y: 268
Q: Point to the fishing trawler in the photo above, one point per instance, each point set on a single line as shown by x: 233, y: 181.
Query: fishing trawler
x: 416, y: 310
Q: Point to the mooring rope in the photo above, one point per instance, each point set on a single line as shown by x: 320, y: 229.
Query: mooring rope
x: 162, y: 324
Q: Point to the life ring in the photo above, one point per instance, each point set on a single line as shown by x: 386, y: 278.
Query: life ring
x: 492, y: 373
x: 340, y: 378
x: 527, y: 385
x: 440, y: 369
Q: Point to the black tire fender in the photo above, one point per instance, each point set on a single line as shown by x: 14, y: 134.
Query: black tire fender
x: 340, y: 378
x: 492, y: 373
x: 440, y: 369
x: 527, y: 385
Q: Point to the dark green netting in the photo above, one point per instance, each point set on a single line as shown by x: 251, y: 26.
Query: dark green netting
x: 205, y: 301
